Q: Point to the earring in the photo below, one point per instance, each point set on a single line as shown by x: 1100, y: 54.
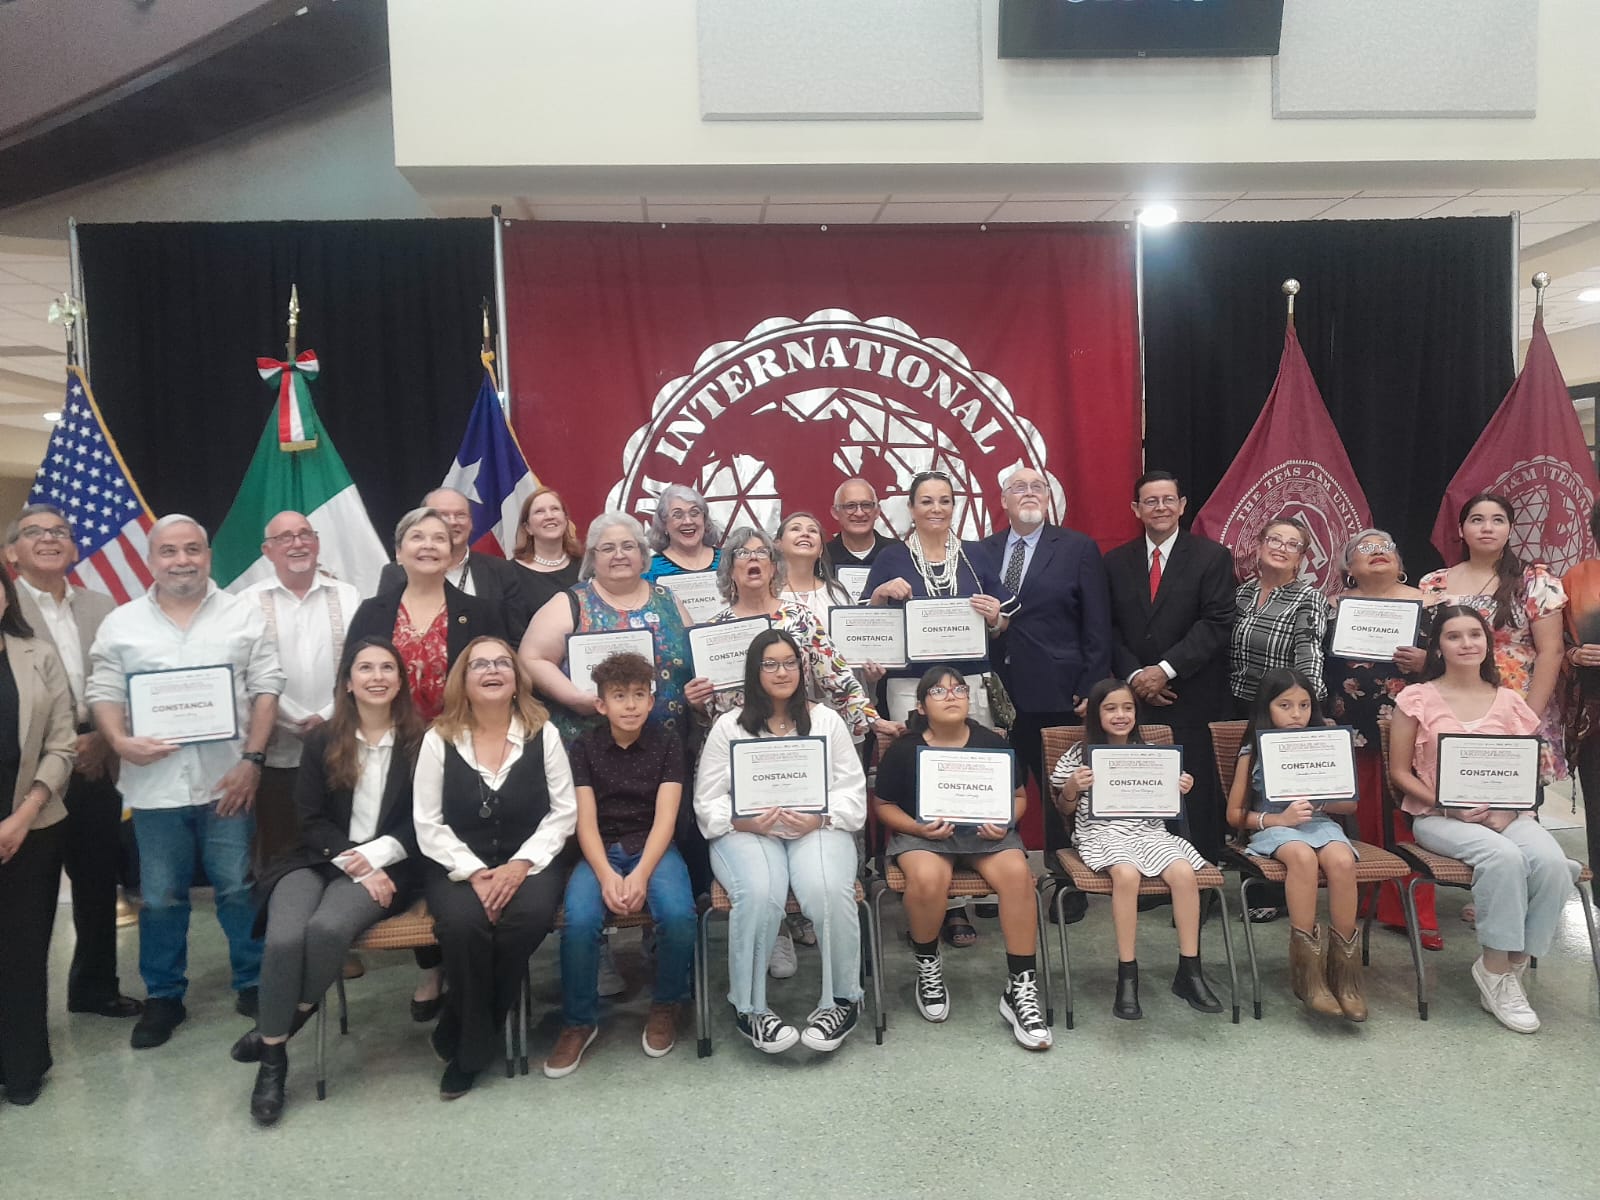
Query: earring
x: 1402, y: 577
x: 1349, y: 579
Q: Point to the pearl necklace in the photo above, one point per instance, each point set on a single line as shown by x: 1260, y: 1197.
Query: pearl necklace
x: 941, y: 578
x: 552, y: 562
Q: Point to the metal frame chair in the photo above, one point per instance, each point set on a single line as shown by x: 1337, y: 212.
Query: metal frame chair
x: 1374, y: 864
x: 1057, y: 740
x: 1444, y: 871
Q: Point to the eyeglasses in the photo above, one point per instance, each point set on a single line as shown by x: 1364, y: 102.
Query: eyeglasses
x: 760, y: 553
x: 1278, y: 543
x: 45, y: 533
x: 288, y: 539
x: 779, y: 666
x: 939, y: 691
x: 482, y: 666
x: 1155, y: 502
x: 686, y: 514
x: 1375, y: 546
x: 1034, y: 488
x: 610, y: 548
x: 857, y: 506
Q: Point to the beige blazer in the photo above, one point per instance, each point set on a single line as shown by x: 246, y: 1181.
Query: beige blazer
x: 45, y: 726
x: 88, y: 610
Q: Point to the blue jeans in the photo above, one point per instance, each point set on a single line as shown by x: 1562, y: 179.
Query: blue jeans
x: 671, y: 903
x: 169, y: 839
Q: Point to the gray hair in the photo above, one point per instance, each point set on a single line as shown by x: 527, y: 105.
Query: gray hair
x: 171, y: 519
x: 1350, y: 549
x: 659, y: 537
x: 598, y: 526
x: 848, y: 482
x: 14, y: 530
x: 736, y: 540
x: 414, y: 518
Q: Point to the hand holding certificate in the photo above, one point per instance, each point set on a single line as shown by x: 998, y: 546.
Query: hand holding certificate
x: 863, y: 635
x: 719, y: 651
x: 783, y: 773
x: 1370, y: 630
x: 944, y: 631
x: 1316, y: 765
x: 1482, y: 771
x: 185, y: 706
x: 965, y: 787
x: 1136, y: 781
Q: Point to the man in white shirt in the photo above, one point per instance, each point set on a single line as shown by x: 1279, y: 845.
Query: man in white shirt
x: 41, y: 550
x: 306, y: 613
x: 189, y: 799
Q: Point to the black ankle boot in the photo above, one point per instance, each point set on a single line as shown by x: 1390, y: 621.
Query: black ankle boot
x: 248, y: 1048
x: 1126, y: 1005
x: 1190, y: 984
x: 266, y: 1099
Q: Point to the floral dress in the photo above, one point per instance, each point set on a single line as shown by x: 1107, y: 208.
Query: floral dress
x: 659, y: 614
x: 426, y: 655
x: 1541, y: 595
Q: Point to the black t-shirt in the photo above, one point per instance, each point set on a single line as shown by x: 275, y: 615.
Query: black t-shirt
x: 840, y: 556
x: 897, y: 773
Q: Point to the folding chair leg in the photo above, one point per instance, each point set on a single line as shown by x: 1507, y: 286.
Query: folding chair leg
x: 1408, y: 903
x: 881, y: 1020
x: 525, y: 1009
x: 1042, y: 948
x: 1250, y: 944
x: 872, y: 965
x: 702, y: 1008
x: 1058, y: 901
x: 322, y: 1047
x: 1368, y: 911
x: 1588, y: 924
x: 344, y: 1010
x: 1227, y: 949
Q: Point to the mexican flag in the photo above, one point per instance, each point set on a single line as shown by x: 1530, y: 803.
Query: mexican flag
x: 296, y: 468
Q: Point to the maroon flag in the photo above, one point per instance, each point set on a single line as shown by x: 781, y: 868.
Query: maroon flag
x: 1293, y: 464
x: 1532, y: 452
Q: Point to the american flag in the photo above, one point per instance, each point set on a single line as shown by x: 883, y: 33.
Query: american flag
x: 84, y: 476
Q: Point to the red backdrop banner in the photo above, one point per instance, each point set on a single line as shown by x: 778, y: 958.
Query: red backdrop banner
x: 763, y: 365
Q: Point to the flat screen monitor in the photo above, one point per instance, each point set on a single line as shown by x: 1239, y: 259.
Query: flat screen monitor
x: 1139, y: 28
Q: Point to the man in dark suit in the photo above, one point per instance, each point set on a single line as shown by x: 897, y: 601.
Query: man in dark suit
x: 41, y: 549
x: 1172, y: 597
x: 495, y: 580
x: 1058, y: 644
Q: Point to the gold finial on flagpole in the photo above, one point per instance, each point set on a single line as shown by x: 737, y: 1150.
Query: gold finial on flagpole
x: 294, y: 320
x: 66, y: 309
x: 1291, y: 289
x: 1540, y: 281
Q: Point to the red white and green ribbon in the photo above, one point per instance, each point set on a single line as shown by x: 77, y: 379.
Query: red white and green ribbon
x: 294, y: 398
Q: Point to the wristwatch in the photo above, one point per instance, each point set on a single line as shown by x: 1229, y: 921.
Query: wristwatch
x: 254, y: 756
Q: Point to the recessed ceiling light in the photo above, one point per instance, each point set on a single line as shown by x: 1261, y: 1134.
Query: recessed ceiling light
x: 1156, y: 215
x: 1589, y: 295
x: 52, y: 416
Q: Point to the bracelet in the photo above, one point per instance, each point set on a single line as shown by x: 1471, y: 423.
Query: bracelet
x: 1261, y: 821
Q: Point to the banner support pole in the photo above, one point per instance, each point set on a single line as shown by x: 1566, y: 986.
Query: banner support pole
x: 1138, y: 300
x: 1516, y: 288
x: 80, y: 329
x: 500, y: 308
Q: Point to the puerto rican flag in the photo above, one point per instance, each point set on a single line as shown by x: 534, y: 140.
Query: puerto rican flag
x: 84, y: 476
x: 491, y: 472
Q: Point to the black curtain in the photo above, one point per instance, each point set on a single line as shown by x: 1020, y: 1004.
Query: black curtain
x: 178, y: 314
x: 1407, y: 326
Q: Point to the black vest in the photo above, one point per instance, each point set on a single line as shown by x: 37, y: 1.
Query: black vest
x: 514, y: 811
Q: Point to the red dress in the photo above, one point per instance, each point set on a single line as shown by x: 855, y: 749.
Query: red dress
x: 427, y: 659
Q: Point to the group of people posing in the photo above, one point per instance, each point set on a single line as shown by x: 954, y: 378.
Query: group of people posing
x: 433, y: 742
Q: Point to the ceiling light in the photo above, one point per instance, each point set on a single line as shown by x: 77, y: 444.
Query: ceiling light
x: 1589, y: 295
x: 1156, y: 215
x: 52, y: 416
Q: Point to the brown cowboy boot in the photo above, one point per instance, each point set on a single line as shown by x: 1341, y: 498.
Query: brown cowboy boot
x: 1344, y: 975
x: 1306, y: 972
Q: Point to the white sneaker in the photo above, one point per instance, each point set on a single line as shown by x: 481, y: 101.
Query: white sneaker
x: 933, y: 998
x: 783, y: 963
x: 1502, y: 996
x: 610, y: 981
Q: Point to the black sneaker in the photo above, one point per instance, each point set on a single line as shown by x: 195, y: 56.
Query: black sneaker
x: 160, y: 1017
x: 827, y: 1028
x: 933, y: 1000
x: 248, y: 1002
x: 1019, y: 1005
x: 767, y: 1032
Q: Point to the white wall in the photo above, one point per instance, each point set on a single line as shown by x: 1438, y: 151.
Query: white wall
x: 616, y: 84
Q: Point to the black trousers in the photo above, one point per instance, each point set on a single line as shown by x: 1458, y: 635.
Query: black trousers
x: 1205, y: 805
x: 1589, y: 779
x: 484, y: 963
x: 1028, y: 741
x: 93, y: 851
x: 277, y: 823
x: 28, y: 885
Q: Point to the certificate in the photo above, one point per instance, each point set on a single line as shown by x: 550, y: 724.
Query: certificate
x: 966, y: 787
x: 1369, y: 630
x: 866, y: 635
x: 1308, y: 764
x: 944, y: 631
x: 1479, y: 770
x: 854, y: 579
x: 719, y: 651
x: 785, y: 772
x: 1135, y: 781
x: 188, y: 705
x: 586, y: 651
x: 698, y: 591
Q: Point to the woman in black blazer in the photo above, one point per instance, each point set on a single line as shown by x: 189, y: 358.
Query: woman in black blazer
x: 356, y: 862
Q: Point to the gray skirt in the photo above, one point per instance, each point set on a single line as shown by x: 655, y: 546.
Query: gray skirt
x: 963, y: 843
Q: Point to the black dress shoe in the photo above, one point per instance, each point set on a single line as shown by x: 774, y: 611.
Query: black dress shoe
x: 160, y: 1017
x: 24, y: 1095
x: 1190, y: 985
x: 423, y: 1011
x: 266, y: 1098
x: 1074, y: 907
x: 248, y: 1048
x: 1126, y: 1004
x: 248, y: 1002
x: 456, y: 1082
x: 116, y: 1006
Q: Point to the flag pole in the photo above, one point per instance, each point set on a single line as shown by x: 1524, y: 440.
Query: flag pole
x: 500, y: 306
x: 1291, y: 289
x: 1541, y: 280
x: 294, y: 323
x: 80, y: 351
x: 66, y: 310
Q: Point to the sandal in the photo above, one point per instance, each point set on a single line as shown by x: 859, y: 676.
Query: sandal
x: 958, y: 931
x: 1260, y: 916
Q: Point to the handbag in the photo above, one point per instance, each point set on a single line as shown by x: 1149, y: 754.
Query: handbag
x: 1001, y: 710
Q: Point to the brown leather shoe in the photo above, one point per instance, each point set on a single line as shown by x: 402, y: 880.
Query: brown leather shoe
x: 353, y: 967
x: 564, y: 1059
x: 661, y: 1030
x: 1344, y: 975
x: 1306, y: 972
